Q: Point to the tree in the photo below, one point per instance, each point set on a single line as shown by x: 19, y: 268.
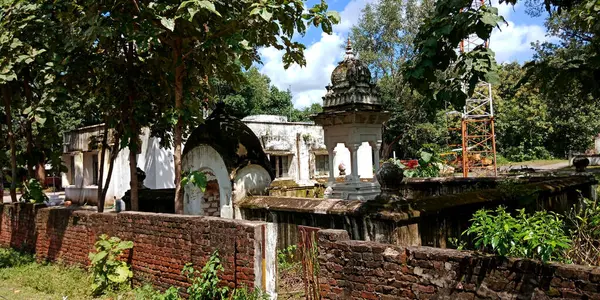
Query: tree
x: 453, y: 21
x: 384, y: 39
x: 23, y: 43
x: 214, y: 39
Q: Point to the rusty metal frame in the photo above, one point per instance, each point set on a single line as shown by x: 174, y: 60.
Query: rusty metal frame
x: 309, y: 258
x: 477, y: 125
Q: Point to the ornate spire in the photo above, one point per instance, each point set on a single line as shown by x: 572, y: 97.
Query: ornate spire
x: 349, y: 52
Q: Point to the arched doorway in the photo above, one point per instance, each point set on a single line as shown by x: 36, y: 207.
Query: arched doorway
x: 216, y: 199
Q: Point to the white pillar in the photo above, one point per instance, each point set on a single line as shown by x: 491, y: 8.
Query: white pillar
x: 375, y: 146
x: 354, y: 161
x: 331, y: 152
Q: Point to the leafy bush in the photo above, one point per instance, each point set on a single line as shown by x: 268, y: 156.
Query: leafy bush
x: 246, y: 294
x: 429, y: 165
x: 206, y: 286
x: 108, y: 272
x: 585, y: 223
x: 286, y: 258
x: 33, y: 192
x: 147, y: 292
x: 538, y: 236
x: 12, y: 258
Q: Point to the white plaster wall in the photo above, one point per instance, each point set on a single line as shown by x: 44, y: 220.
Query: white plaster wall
x: 250, y: 180
x: 365, y: 161
x: 159, y: 168
x: 206, y: 158
x: 298, y: 138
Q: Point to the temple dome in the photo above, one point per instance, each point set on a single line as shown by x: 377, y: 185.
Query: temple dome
x: 232, y: 139
x: 350, y: 71
x: 351, y: 86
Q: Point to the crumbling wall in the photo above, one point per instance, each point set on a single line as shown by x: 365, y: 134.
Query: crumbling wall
x: 368, y: 270
x: 163, y: 243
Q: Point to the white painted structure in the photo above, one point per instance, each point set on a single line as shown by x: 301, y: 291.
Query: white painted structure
x: 82, y: 159
x: 297, y: 148
x: 352, y: 117
x: 300, y: 145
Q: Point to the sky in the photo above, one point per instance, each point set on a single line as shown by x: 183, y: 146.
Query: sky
x: 323, y: 52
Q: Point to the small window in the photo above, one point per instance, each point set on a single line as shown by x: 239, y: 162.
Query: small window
x: 321, y: 165
x: 281, y: 165
x: 72, y: 169
x: 95, y: 170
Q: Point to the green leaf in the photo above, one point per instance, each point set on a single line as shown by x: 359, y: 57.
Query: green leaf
x: 98, y: 257
x: 209, y: 6
x: 121, y: 274
x: 168, y: 23
x: 265, y: 14
x: 426, y: 156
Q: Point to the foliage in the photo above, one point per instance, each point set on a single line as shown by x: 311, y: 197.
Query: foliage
x: 438, y: 71
x: 11, y: 258
x: 206, y: 285
x: 541, y: 235
x: 33, y: 192
x: 584, y: 221
x: 384, y: 39
x: 429, y: 165
x: 244, y: 293
x: 287, y: 258
x: 147, y: 292
x: 108, y: 272
x: 195, y: 178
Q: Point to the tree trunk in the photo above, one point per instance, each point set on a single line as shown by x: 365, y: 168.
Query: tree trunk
x: 40, y: 169
x: 6, y: 94
x: 29, y: 127
x: 133, y: 138
x: 178, y: 132
x: 113, y: 155
x: 103, y: 147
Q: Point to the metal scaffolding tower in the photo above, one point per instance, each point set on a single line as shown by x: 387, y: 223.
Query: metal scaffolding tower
x: 477, y: 125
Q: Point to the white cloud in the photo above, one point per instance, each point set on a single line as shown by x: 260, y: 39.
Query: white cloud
x: 307, y: 83
x: 513, y: 42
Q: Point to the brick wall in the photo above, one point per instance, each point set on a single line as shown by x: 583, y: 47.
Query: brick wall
x: 163, y: 243
x: 367, y: 270
x: 211, y: 199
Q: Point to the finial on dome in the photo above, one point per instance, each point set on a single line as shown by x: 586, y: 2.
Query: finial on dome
x: 349, y: 52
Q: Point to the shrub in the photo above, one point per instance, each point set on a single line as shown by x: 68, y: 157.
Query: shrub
x: 33, y: 192
x: 206, y: 286
x: 538, y: 236
x: 108, y: 272
x: 11, y: 258
x: 585, y: 223
x: 286, y: 258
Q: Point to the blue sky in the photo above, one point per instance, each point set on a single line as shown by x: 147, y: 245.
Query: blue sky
x: 511, y: 43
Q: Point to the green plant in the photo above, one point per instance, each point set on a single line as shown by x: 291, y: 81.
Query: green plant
x: 147, y: 292
x: 286, y: 258
x: 33, y: 192
x: 244, y: 293
x: 196, y: 178
x: 206, y: 286
x: 12, y: 258
x: 429, y: 165
x: 585, y: 230
x: 538, y: 236
x: 108, y: 272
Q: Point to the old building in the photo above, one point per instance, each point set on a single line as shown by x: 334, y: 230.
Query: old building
x: 82, y: 157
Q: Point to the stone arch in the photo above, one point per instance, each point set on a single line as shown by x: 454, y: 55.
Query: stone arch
x: 205, y: 158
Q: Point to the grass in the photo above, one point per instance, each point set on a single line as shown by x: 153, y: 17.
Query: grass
x: 530, y: 163
x: 21, y: 278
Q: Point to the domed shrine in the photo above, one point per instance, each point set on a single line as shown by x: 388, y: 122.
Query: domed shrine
x: 352, y: 114
x: 231, y: 157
